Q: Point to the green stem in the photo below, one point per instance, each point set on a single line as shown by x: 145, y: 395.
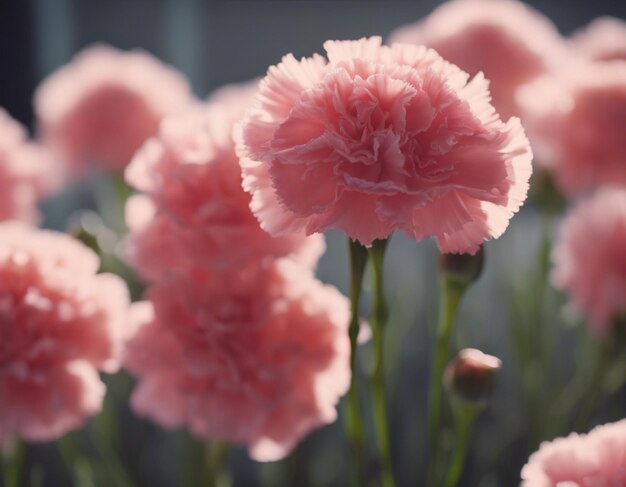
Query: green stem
x: 451, y: 293
x: 595, y: 387
x: 13, y: 464
x: 378, y: 320
x: 356, y: 431
x: 465, y: 415
x: 217, y: 471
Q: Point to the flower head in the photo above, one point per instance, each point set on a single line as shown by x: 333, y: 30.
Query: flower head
x: 510, y: 42
x: 194, y: 209
x: 594, y: 459
x: 577, y: 120
x: 259, y: 358
x: 378, y: 139
x: 604, y: 39
x: 589, y: 258
x: 59, y: 324
x: 105, y: 103
x: 26, y: 172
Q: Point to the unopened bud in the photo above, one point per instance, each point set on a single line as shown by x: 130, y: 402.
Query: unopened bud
x: 471, y: 374
x: 463, y: 267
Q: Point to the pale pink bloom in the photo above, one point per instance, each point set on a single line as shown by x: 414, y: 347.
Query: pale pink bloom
x: 197, y: 211
x: 577, y: 121
x: 27, y: 172
x: 378, y: 139
x: 506, y: 40
x: 105, y: 103
x: 59, y: 324
x: 589, y: 257
x: 597, y: 459
x: 604, y: 39
x: 259, y: 359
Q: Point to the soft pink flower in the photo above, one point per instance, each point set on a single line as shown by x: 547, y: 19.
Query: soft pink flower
x: 105, y: 103
x: 510, y: 42
x: 378, y: 139
x: 597, y: 459
x: 577, y: 121
x: 589, y: 257
x: 259, y: 358
x: 604, y: 39
x: 27, y: 172
x: 197, y: 212
x: 59, y: 324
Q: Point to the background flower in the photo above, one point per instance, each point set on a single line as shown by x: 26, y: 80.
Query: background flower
x: 595, y: 459
x: 60, y: 323
x: 604, y: 39
x: 258, y: 359
x: 589, y: 258
x: 508, y: 41
x: 379, y: 139
x: 104, y: 104
x: 576, y: 120
x: 27, y: 172
x: 196, y: 210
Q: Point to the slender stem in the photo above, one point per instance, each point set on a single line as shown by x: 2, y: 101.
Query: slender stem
x: 378, y: 320
x: 465, y: 415
x: 216, y: 458
x: 356, y: 431
x: 595, y: 387
x: 194, y: 471
x: 451, y: 293
x: 13, y: 464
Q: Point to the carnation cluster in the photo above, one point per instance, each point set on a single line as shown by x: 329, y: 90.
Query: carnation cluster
x: 237, y: 340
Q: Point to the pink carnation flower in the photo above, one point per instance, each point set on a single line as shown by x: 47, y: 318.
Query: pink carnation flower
x: 259, y: 359
x: 105, y: 103
x: 197, y: 211
x: 589, y: 257
x: 597, y: 459
x: 26, y: 172
x: 577, y: 122
x: 59, y: 324
x: 507, y: 40
x: 378, y: 139
x: 604, y: 39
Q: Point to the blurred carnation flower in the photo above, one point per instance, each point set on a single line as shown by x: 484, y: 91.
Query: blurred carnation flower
x: 258, y: 359
x: 604, y: 39
x: 576, y: 121
x: 195, y: 210
x: 104, y: 104
x: 232, y: 343
x: 27, y: 172
x: 378, y: 139
x: 510, y: 42
x: 597, y: 459
x: 590, y: 259
x: 59, y: 324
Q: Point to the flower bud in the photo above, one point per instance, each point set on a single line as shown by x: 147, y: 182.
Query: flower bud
x: 470, y: 375
x: 463, y: 267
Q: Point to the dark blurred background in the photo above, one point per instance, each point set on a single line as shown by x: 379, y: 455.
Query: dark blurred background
x: 212, y: 42
x: 220, y: 42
